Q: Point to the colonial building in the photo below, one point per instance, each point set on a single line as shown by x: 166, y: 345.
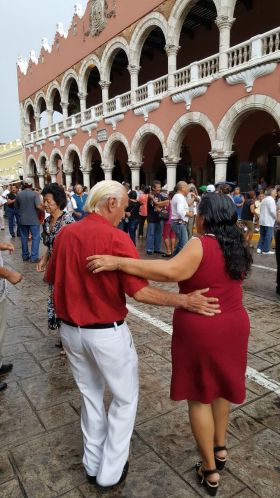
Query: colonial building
x: 155, y: 89
x: 11, y: 162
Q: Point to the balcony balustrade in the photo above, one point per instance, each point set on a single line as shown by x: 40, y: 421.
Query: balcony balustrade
x: 256, y: 51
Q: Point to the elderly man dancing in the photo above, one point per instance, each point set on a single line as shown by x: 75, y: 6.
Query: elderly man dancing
x: 95, y: 336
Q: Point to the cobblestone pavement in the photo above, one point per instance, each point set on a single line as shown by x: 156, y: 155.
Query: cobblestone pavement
x: 40, y: 437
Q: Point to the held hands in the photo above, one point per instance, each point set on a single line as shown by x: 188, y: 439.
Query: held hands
x: 196, y: 302
x: 7, y: 246
x: 96, y: 263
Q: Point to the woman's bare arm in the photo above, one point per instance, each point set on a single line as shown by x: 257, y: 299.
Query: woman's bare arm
x: 181, y: 267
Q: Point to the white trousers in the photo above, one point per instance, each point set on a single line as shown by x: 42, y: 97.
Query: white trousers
x: 3, y: 324
x: 99, y: 356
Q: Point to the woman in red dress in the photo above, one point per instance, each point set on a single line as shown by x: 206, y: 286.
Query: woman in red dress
x: 209, y: 353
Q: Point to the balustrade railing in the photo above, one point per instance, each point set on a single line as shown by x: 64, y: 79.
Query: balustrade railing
x: 208, y: 67
x: 239, y: 55
x: 142, y: 93
x: 112, y: 105
x: 182, y: 77
x: 77, y: 119
x: 271, y: 42
x: 125, y: 100
x: 160, y: 85
x: 99, y: 110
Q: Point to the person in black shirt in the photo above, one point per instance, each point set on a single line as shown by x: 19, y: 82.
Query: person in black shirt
x: 12, y: 212
x: 132, y: 214
x: 247, y: 216
x: 156, y: 201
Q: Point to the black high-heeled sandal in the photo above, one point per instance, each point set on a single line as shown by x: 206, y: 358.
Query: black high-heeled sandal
x: 220, y: 462
x: 211, y: 487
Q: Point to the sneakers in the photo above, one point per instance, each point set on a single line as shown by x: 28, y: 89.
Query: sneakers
x: 259, y: 251
x: 269, y: 252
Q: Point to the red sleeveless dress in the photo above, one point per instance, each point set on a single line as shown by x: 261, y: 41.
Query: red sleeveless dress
x: 209, y: 354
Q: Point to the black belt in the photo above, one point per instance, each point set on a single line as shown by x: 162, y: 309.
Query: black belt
x: 94, y: 325
x: 179, y: 222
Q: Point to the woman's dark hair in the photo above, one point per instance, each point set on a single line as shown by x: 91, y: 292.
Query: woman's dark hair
x: 132, y: 195
x: 220, y: 219
x: 147, y: 190
x: 58, y: 194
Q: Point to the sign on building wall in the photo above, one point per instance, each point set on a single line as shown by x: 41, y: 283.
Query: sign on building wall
x: 102, y: 136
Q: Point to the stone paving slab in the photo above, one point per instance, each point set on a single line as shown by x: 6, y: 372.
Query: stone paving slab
x: 40, y: 437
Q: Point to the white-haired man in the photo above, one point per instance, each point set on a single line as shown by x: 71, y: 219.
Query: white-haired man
x: 95, y: 337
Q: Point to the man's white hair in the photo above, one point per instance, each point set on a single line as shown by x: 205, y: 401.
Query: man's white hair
x: 101, y: 192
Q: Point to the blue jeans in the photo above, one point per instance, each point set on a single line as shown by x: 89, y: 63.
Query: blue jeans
x: 182, y: 236
x: 154, y: 236
x: 266, y: 235
x: 132, y: 227
x: 35, y: 232
x: 12, y: 217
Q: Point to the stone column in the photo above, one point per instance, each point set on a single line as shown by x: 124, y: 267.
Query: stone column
x: 86, y: 175
x: 64, y: 106
x: 68, y: 178
x: 37, y: 120
x: 135, y: 174
x: 32, y: 179
x: 53, y: 177
x: 50, y: 117
x: 134, y: 71
x: 171, y: 51
x: 41, y: 181
x: 105, y: 94
x: 171, y: 167
x: 107, y: 172
x: 224, y: 24
x: 220, y: 161
x: 83, y: 103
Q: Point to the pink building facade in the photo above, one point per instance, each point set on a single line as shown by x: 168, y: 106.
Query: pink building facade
x: 164, y: 89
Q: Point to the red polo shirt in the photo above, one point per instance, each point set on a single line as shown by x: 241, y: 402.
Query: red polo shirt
x: 79, y: 296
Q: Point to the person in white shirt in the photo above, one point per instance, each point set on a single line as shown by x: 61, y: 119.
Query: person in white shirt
x: 180, y: 215
x: 267, y: 221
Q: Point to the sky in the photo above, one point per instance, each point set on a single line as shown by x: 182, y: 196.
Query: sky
x: 23, y: 24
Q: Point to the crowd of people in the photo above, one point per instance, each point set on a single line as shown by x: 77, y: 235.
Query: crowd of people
x: 91, y: 260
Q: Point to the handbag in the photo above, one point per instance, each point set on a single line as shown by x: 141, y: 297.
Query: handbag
x: 163, y: 214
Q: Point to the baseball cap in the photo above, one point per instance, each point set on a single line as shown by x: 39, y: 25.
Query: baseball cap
x: 27, y: 181
x: 210, y: 188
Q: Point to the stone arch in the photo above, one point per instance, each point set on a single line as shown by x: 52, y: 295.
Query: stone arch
x: 40, y: 95
x: 109, y: 149
x: 65, y: 84
x: 235, y: 116
x: 52, y: 87
x: 178, y: 14
x: 53, y: 167
x: 90, y: 143
x: 91, y: 60
x: 142, y: 31
x: 174, y: 141
x: 71, y: 148
x: 140, y: 139
x: 29, y: 169
x: 28, y: 103
x: 40, y: 169
x: 112, y: 47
